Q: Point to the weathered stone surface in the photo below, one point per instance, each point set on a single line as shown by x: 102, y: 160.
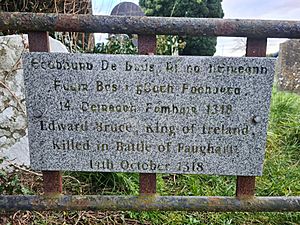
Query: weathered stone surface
x: 13, y: 119
x: 12, y: 108
x: 127, y: 9
x: 288, y: 68
x: 17, y: 154
x: 148, y: 113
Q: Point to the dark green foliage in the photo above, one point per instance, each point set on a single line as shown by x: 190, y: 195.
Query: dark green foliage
x: 183, y: 8
x: 120, y: 44
x: 188, y: 8
x: 10, y: 183
x: 199, y: 46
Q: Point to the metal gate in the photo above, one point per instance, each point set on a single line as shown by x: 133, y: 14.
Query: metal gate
x: 256, y: 31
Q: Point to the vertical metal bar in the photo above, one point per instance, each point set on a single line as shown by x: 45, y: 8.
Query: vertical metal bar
x: 147, y: 46
x: 256, y: 47
x: 52, y: 180
x: 245, y: 185
x: 38, y: 41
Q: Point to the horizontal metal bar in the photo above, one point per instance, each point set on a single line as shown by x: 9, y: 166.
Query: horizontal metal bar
x: 25, y: 22
x: 149, y: 203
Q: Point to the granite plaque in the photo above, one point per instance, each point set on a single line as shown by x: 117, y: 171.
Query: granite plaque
x: 149, y: 114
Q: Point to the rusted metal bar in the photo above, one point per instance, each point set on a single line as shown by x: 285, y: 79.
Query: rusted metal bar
x: 245, y: 185
x: 149, y: 203
x: 24, y: 22
x: 52, y: 180
x: 256, y: 47
x: 146, y: 46
x: 38, y: 42
x: 147, y: 183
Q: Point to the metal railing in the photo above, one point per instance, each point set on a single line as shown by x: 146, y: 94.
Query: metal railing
x: 256, y: 31
x: 25, y: 22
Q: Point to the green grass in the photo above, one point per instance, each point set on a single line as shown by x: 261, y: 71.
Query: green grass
x: 280, y: 178
x: 281, y: 167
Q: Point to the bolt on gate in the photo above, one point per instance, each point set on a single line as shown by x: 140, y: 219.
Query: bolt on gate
x: 256, y: 31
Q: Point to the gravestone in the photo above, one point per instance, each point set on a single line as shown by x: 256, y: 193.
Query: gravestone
x: 127, y: 9
x: 149, y: 114
x: 288, y: 68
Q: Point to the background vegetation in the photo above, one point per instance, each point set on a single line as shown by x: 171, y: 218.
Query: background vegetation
x: 280, y: 178
x: 188, y: 8
x: 74, y: 41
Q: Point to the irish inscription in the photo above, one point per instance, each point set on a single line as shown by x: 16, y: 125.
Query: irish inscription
x: 150, y: 114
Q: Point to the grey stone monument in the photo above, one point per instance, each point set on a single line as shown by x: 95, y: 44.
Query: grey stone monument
x: 127, y: 9
x: 149, y: 114
x: 288, y: 68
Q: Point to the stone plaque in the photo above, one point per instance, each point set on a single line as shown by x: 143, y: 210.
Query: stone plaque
x: 149, y: 114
